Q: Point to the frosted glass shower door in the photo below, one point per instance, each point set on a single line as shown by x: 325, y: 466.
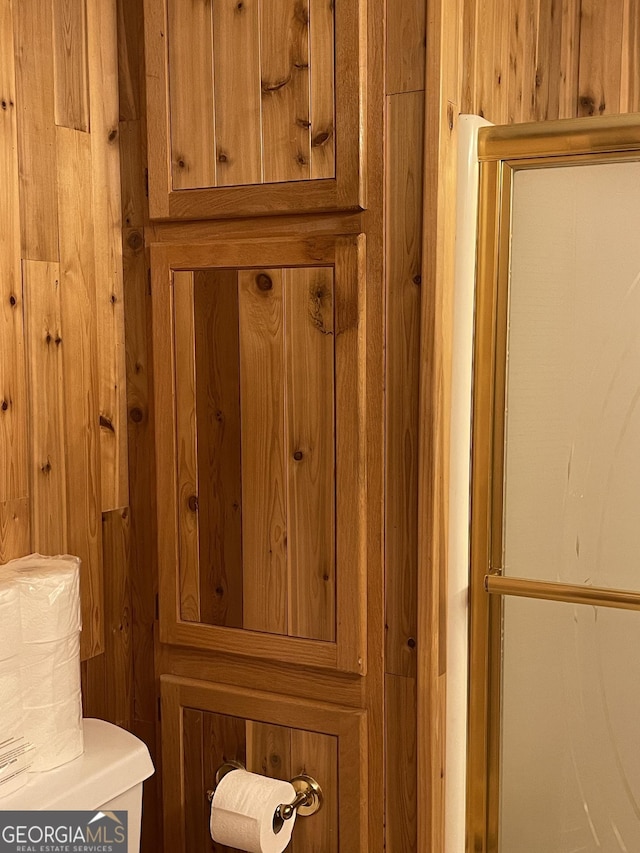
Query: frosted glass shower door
x: 570, y: 743
x: 554, y: 736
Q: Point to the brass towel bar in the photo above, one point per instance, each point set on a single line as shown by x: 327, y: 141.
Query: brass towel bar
x: 498, y: 584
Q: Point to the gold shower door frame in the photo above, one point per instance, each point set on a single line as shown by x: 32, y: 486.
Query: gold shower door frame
x: 503, y: 150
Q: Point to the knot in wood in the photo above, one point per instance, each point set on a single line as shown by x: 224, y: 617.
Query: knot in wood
x: 193, y: 503
x: 298, y: 455
x: 264, y: 282
x: 136, y: 415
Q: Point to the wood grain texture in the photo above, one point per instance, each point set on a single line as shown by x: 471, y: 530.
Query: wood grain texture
x: 191, y: 88
x: 310, y: 451
x: 224, y: 739
x: 195, y: 803
x: 316, y: 755
x: 217, y: 363
x: 236, y: 51
x: 268, y: 750
x: 187, y: 441
x: 107, y: 218
x: 323, y: 85
x: 406, y: 46
x: 80, y: 365
x: 401, y: 807
x: 630, y: 73
x: 601, y: 31
x: 41, y: 288
x: 404, y: 260
x: 135, y: 205
x: 131, y: 89
x: 264, y: 524
x: 284, y: 74
x: 15, y: 531
x: 70, y: 64
x: 13, y: 401
x: 36, y: 126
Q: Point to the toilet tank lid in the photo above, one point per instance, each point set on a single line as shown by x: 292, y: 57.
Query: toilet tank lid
x: 113, y: 761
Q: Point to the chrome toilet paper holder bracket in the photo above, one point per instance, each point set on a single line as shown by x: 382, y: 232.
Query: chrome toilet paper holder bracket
x: 308, y: 800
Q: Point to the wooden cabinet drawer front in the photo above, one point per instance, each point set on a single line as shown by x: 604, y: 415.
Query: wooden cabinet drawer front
x: 205, y: 725
x: 259, y: 386
x: 254, y: 106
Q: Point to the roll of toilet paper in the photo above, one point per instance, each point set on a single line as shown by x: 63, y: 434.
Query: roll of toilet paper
x: 55, y: 732
x: 10, y: 630
x: 50, y: 671
x: 242, y: 812
x: 13, y: 746
x: 49, y: 596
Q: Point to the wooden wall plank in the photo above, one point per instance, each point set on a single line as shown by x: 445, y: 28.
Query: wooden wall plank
x: 80, y: 364
x: 131, y: 88
x: 630, y: 74
x: 132, y: 173
x: 217, y: 349
x: 405, y: 154
x: 15, y: 531
x: 549, y: 60
x: 191, y: 87
x: 107, y: 220
x: 400, y: 764
x: 33, y: 26
x: 569, y: 59
x: 187, y: 438
x: 284, y: 69
x: 13, y: 400
x: 310, y: 452
x: 323, y: 85
x: 521, y: 85
x: 41, y: 285
x: 116, y: 532
x: 70, y: 64
x: 316, y: 755
x: 263, y: 451
x: 600, y: 72
x: 236, y: 53
x: 406, y: 46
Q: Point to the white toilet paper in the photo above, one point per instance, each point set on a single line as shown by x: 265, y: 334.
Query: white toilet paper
x: 242, y: 812
x: 55, y: 732
x: 10, y: 631
x: 49, y: 596
x: 50, y: 671
x: 13, y: 758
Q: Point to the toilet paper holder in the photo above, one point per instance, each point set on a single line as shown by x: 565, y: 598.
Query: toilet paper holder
x: 308, y: 800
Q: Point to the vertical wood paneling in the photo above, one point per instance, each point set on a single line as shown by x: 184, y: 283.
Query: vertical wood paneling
x: 569, y: 59
x: 263, y: 447
x: 322, y: 50
x: 116, y: 532
x: 191, y: 87
x: 195, y: 802
x: 130, y: 59
x: 13, y: 408
x: 70, y: 64
x: 404, y: 258
x: 601, y: 33
x: 284, y: 60
x: 187, y: 438
x: 406, y: 45
x: 400, y: 766
x: 310, y: 452
x: 316, y: 755
x: 630, y: 79
x: 217, y: 351
x: 132, y: 169
x: 107, y: 219
x: 236, y: 52
x: 15, y: 532
x: 549, y: 59
x: 33, y: 28
x: 521, y: 86
x: 269, y: 750
x: 41, y: 284
x: 80, y: 364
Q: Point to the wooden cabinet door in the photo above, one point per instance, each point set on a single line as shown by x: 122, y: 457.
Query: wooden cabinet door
x: 259, y: 374
x: 205, y: 725
x: 254, y: 106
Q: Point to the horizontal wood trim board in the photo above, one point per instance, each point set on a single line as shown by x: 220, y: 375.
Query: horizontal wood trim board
x: 246, y: 254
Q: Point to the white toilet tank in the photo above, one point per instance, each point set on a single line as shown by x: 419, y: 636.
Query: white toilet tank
x: 108, y: 776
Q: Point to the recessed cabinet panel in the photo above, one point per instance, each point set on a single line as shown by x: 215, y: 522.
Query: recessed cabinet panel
x: 260, y: 378
x: 206, y: 725
x: 254, y: 106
